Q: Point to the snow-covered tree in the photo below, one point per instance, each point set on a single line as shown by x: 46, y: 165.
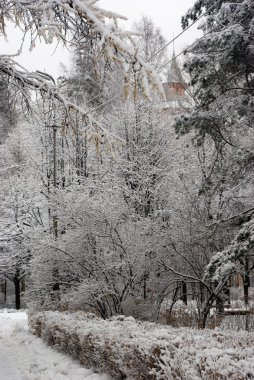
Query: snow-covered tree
x: 63, y: 151
x: 221, y: 74
x: 142, y: 165
x: 7, y: 110
x: 67, y: 22
x: 151, y: 42
x: 20, y: 205
x: 221, y: 69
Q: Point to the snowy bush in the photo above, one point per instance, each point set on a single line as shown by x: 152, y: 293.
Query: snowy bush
x: 130, y: 349
x: 238, y: 322
x: 179, y: 314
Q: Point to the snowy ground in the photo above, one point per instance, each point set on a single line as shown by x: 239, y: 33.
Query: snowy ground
x: 25, y: 357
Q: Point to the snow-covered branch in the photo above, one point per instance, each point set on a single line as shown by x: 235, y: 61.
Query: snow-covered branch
x: 70, y: 20
x: 232, y: 258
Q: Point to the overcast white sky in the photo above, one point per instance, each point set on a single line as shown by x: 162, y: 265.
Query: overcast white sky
x: 166, y: 15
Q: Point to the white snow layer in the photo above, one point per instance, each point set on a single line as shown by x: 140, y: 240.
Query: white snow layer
x: 25, y: 357
x: 142, y: 350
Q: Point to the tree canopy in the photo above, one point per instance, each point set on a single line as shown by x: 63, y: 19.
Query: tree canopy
x: 222, y: 71
x: 67, y: 22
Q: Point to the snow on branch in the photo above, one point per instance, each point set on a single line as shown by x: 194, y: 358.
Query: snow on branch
x: 232, y: 259
x: 66, y: 20
x: 66, y: 112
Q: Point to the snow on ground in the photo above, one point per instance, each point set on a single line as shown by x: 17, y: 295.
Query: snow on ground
x: 8, y: 371
x: 25, y: 357
x: 143, y: 350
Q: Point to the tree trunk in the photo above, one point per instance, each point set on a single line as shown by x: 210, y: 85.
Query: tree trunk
x: 227, y: 292
x: 246, y: 283
x: 201, y: 288
x: 145, y: 286
x: 219, y: 305
x: 23, y: 285
x: 214, y: 296
x: 174, y: 298
x: 17, y: 292
x: 206, y: 310
x: 184, y: 293
x: 5, y: 291
x: 56, y: 286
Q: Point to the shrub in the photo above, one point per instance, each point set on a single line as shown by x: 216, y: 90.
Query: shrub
x: 129, y: 349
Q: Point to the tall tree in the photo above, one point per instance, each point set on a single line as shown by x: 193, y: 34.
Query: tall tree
x: 68, y: 125
x: 7, y: 109
x: 151, y: 42
x: 221, y: 69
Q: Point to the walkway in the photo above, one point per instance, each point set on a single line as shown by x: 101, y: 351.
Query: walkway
x: 7, y: 370
x: 24, y: 356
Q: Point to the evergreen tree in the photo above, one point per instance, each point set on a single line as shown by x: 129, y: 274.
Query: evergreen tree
x: 222, y: 71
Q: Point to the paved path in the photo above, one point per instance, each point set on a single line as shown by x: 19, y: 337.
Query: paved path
x: 24, y: 356
x: 7, y: 370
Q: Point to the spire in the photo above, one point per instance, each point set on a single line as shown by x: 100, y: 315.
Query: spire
x: 174, y: 87
x: 174, y: 54
x: 174, y: 72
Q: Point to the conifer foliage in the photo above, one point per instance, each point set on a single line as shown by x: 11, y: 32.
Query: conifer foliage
x: 222, y: 71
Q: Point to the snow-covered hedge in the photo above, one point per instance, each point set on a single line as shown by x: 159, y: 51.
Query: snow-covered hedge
x: 129, y: 349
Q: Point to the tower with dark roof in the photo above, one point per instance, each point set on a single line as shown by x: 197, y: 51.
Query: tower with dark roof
x: 174, y: 86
